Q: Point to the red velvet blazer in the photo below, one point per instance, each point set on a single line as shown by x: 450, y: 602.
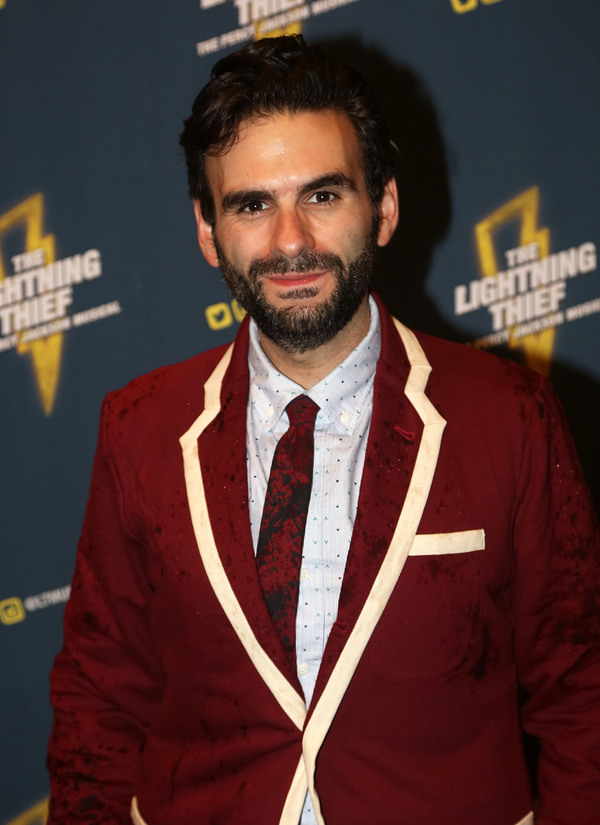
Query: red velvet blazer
x: 474, y: 566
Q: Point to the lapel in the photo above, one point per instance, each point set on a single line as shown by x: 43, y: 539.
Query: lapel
x: 214, y: 458
x: 385, y: 526
x: 393, y: 444
x: 222, y: 456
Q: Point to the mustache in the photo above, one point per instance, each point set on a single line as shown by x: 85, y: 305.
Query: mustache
x: 307, y: 261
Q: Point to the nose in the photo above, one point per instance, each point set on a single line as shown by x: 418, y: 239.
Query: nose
x: 291, y: 233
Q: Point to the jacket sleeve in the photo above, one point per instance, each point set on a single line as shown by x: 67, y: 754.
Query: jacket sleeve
x: 557, y: 621
x: 106, y: 681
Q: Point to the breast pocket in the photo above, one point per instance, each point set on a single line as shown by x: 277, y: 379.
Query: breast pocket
x: 431, y: 623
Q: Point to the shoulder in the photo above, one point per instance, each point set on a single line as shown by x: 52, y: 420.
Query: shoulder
x: 174, y: 383
x: 464, y: 367
x: 459, y: 371
x: 161, y: 404
x: 488, y: 393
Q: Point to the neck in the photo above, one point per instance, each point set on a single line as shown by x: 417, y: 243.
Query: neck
x: 310, y: 367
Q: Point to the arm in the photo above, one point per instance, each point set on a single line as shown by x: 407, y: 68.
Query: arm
x: 557, y: 617
x: 105, y: 681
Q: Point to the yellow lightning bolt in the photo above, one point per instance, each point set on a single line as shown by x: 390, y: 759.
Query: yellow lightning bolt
x: 34, y: 816
x: 292, y: 28
x: 537, y: 347
x: 45, y: 352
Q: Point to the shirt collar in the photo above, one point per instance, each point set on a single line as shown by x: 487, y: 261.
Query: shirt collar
x: 341, y: 395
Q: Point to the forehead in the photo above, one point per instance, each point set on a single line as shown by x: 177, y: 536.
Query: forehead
x: 283, y: 151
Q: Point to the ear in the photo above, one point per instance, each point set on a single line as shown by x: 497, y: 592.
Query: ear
x: 388, y: 213
x: 205, y: 236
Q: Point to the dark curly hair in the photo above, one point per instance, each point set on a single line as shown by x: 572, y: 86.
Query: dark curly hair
x: 273, y: 76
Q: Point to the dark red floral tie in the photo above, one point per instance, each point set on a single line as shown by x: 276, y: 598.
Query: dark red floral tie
x: 279, y: 552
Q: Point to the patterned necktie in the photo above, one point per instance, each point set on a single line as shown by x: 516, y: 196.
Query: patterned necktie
x: 279, y: 552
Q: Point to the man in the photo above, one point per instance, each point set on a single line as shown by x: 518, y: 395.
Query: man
x: 447, y: 552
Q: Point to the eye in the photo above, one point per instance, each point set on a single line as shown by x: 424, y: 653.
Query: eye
x: 323, y: 196
x: 254, y: 207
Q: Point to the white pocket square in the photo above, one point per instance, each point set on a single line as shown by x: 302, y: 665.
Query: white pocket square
x: 438, y: 544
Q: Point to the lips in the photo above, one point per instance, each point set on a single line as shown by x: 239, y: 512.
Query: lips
x: 295, y: 279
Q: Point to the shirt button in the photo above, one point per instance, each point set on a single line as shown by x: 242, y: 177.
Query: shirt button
x: 345, y: 417
x: 269, y: 410
x: 304, y: 574
x: 303, y: 669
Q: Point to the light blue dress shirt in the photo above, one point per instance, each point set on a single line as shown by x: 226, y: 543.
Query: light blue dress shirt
x: 345, y: 398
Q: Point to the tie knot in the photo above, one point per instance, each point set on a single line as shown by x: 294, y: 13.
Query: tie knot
x: 302, y: 410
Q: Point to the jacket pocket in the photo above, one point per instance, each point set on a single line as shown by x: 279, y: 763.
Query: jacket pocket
x: 432, y: 621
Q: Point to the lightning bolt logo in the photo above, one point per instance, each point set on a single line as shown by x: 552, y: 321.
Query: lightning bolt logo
x: 45, y: 353
x: 537, y: 347
x: 34, y: 816
x: 293, y: 28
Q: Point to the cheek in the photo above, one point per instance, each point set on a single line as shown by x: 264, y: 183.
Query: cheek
x: 235, y: 248
x: 349, y: 240
x: 247, y: 244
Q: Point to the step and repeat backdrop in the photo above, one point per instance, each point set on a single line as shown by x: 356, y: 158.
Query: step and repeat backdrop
x: 494, y: 105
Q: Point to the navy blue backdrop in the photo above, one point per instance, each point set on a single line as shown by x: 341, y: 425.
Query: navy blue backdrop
x: 494, y: 104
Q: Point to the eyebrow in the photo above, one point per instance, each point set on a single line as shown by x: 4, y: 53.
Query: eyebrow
x: 235, y: 200
x: 330, y: 179
x: 239, y: 198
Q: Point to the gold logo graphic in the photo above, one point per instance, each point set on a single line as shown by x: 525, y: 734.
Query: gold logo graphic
x: 524, y: 208
x: 263, y: 31
x: 36, y: 815
x: 461, y: 6
x: 45, y: 352
x: 222, y: 315
x: 12, y: 611
x: 257, y: 20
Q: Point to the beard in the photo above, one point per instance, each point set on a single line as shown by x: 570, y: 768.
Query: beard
x: 298, y: 329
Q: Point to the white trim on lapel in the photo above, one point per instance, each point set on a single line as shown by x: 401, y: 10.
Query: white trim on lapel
x: 287, y: 696
x: 402, y: 540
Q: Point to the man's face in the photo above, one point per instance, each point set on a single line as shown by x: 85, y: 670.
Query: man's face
x: 295, y: 231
